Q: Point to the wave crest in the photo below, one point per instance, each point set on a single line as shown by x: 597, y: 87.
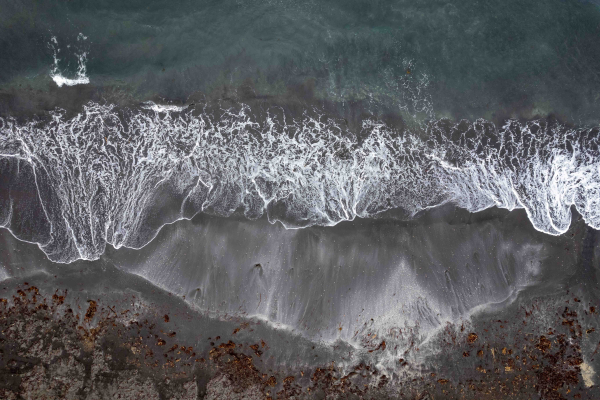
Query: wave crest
x: 117, y: 176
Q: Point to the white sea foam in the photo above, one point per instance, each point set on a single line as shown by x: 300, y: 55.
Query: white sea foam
x: 150, y: 105
x: 106, y: 173
x: 81, y: 78
x: 61, y: 80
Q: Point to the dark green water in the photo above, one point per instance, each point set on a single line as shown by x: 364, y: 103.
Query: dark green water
x: 458, y: 59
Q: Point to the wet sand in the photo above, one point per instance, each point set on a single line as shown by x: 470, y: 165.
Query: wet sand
x: 513, y: 313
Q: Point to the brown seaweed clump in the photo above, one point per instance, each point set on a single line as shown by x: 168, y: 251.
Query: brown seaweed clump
x: 57, y: 346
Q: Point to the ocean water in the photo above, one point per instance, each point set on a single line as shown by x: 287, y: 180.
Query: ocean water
x: 336, y: 169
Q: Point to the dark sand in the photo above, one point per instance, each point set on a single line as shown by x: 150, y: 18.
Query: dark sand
x: 110, y: 334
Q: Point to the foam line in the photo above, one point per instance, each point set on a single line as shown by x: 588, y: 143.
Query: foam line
x: 111, y: 175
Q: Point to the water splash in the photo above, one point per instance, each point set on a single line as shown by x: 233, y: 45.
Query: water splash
x: 108, y: 175
x: 81, y: 78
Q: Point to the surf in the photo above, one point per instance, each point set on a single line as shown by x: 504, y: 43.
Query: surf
x: 110, y: 175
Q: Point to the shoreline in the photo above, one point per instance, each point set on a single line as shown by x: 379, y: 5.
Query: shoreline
x: 137, y: 340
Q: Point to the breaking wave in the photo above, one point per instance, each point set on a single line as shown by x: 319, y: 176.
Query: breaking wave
x: 80, y: 78
x: 110, y: 175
